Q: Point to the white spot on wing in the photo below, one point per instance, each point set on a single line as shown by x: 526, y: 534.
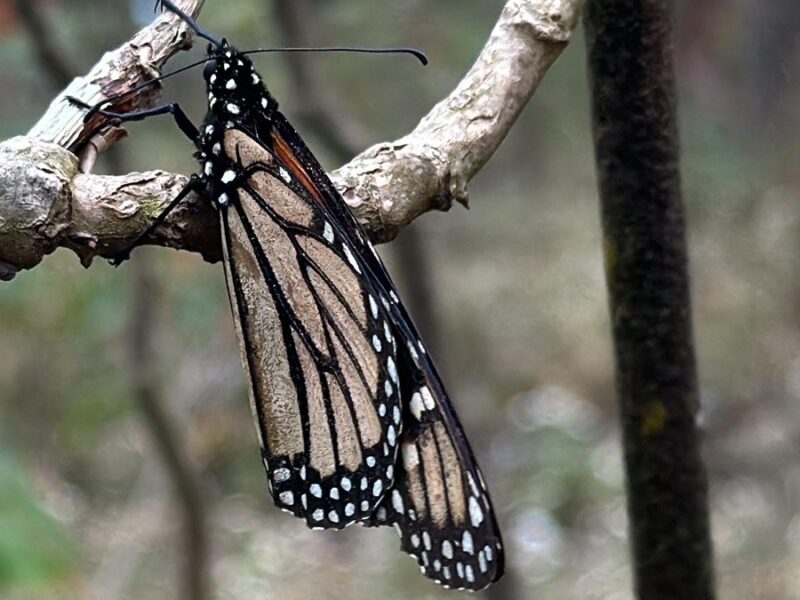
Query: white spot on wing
x: 397, y: 501
x: 466, y: 543
x: 376, y: 343
x: 327, y: 232
x: 373, y: 306
x: 470, y: 574
x: 392, y: 369
x: 416, y: 405
x: 351, y: 259
x: 472, y: 485
x: 281, y: 475
x: 387, y: 332
x: 482, y: 562
x: 228, y: 176
x: 447, y: 549
x: 410, y: 456
x: 427, y: 398
x: 475, y: 512
x: 413, y: 352
x: 232, y: 108
x: 315, y: 490
x: 230, y: 85
x: 287, y: 498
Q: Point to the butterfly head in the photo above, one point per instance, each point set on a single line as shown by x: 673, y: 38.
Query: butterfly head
x: 233, y: 84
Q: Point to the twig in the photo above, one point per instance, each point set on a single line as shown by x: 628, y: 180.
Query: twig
x: 636, y: 143
x: 117, y: 72
x: 388, y: 185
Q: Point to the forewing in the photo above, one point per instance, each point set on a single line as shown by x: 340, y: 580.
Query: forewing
x: 324, y: 383
x: 439, y: 503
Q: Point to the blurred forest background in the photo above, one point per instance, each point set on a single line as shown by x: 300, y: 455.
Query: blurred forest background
x: 509, y: 294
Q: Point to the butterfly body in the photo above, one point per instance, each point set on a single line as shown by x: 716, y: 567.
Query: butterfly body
x: 353, y: 419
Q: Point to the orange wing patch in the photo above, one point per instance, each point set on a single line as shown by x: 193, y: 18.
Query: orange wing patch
x: 285, y: 154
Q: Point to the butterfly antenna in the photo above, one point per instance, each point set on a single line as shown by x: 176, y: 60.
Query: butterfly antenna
x: 170, y: 6
x: 418, y: 54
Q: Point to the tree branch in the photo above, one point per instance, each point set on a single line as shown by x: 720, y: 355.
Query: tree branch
x: 45, y: 203
x: 117, y: 73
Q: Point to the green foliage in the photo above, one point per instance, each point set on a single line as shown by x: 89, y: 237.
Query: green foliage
x: 35, y: 549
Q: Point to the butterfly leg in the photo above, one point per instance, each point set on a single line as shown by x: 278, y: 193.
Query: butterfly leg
x: 195, y: 185
x: 184, y: 122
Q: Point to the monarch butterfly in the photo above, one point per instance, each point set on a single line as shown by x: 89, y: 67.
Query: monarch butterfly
x: 353, y: 419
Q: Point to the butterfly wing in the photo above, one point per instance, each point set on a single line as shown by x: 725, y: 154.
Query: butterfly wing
x: 439, y: 503
x: 311, y: 328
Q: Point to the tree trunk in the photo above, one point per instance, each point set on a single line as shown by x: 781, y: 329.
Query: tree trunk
x: 636, y: 144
